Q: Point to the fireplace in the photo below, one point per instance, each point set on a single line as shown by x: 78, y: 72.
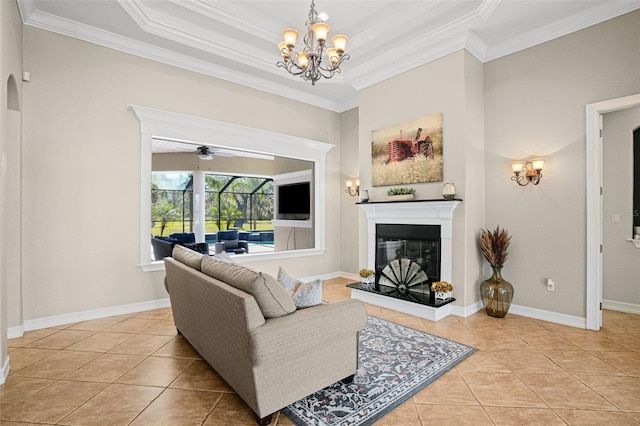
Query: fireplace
x: 407, y: 261
x: 408, y: 246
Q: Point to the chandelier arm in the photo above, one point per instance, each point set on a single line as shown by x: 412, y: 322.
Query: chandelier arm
x: 335, y: 68
x: 291, y: 67
x: 328, y: 72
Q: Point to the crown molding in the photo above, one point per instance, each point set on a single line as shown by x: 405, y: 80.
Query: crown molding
x: 421, y: 50
x: 394, y: 23
x: 368, y: 74
x: 595, y: 15
x: 94, y: 35
x: 216, y: 11
x: 475, y: 46
x: 26, y: 8
x: 487, y: 7
x: 175, y: 29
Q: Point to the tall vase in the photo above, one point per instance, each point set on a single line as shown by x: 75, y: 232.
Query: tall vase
x: 497, y: 294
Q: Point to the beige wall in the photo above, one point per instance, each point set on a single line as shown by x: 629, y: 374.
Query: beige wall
x: 81, y: 170
x: 474, y: 183
x: 535, y: 106
x: 621, y: 259
x: 451, y: 85
x: 350, y: 165
x: 10, y: 169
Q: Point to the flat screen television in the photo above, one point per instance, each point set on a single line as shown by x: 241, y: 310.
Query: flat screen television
x: 294, y: 201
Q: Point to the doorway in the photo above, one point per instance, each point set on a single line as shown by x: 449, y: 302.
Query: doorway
x: 621, y: 258
x: 594, y: 113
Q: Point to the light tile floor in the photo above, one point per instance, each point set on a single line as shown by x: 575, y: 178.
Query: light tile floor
x: 134, y: 369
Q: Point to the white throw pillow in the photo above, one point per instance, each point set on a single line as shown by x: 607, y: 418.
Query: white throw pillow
x: 304, y: 295
x: 223, y: 257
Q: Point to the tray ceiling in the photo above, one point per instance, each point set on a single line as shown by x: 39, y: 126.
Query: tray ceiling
x: 236, y: 40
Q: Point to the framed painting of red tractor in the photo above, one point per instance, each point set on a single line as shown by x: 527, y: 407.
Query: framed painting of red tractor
x: 407, y: 152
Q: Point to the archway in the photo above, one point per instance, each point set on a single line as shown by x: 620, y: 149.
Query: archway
x: 13, y: 102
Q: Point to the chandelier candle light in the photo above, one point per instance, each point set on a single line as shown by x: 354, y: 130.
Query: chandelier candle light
x: 307, y: 63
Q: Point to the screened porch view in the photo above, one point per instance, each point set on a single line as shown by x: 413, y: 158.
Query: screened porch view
x: 238, y: 213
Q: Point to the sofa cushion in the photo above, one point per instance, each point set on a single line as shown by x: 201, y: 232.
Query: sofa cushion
x: 304, y: 295
x: 188, y: 257
x: 272, y: 298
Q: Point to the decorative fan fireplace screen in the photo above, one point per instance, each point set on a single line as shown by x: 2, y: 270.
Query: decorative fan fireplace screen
x: 407, y: 260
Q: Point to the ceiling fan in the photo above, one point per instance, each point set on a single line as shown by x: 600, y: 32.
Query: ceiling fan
x: 206, y: 152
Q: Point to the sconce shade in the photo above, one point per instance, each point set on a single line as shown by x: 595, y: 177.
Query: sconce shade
x: 517, y: 166
x: 537, y: 163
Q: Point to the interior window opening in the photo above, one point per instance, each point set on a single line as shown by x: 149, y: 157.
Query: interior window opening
x: 238, y: 213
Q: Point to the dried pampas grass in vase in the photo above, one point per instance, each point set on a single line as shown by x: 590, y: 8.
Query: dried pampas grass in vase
x: 496, y: 293
x: 494, y: 246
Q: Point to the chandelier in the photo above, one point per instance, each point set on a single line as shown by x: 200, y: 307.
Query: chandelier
x: 307, y: 63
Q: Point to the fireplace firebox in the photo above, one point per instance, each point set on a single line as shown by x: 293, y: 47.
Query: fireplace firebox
x: 407, y: 261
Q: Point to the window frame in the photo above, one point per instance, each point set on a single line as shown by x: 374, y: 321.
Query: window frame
x: 167, y: 125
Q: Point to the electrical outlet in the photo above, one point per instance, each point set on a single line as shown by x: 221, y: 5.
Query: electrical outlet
x: 551, y: 285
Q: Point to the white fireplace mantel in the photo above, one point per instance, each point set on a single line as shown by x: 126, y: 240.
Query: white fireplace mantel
x: 418, y: 212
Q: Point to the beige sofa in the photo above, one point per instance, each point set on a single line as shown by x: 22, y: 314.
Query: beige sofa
x: 245, y: 324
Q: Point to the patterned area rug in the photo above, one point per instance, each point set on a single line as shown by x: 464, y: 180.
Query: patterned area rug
x: 394, y: 363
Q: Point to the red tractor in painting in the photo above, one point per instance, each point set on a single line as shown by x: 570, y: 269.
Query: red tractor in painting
x: 400, y: 149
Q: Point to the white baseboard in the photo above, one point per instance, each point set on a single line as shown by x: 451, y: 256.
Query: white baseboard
x: 461, y: 311
x: 555, y: 317
x: 17, y: 331
x: 4, y: 370
x: 543, y: 315
x: 349, y: 275
x: 57, y: 320
x: 612, y: 305
x: 330, y: 276
x: 466, y: 311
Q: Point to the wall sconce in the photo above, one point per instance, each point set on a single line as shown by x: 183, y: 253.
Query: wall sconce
x: 353, y: 187
x: 532, y: 170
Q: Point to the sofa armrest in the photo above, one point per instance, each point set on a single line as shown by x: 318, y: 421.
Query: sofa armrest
x: 303, y: 330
